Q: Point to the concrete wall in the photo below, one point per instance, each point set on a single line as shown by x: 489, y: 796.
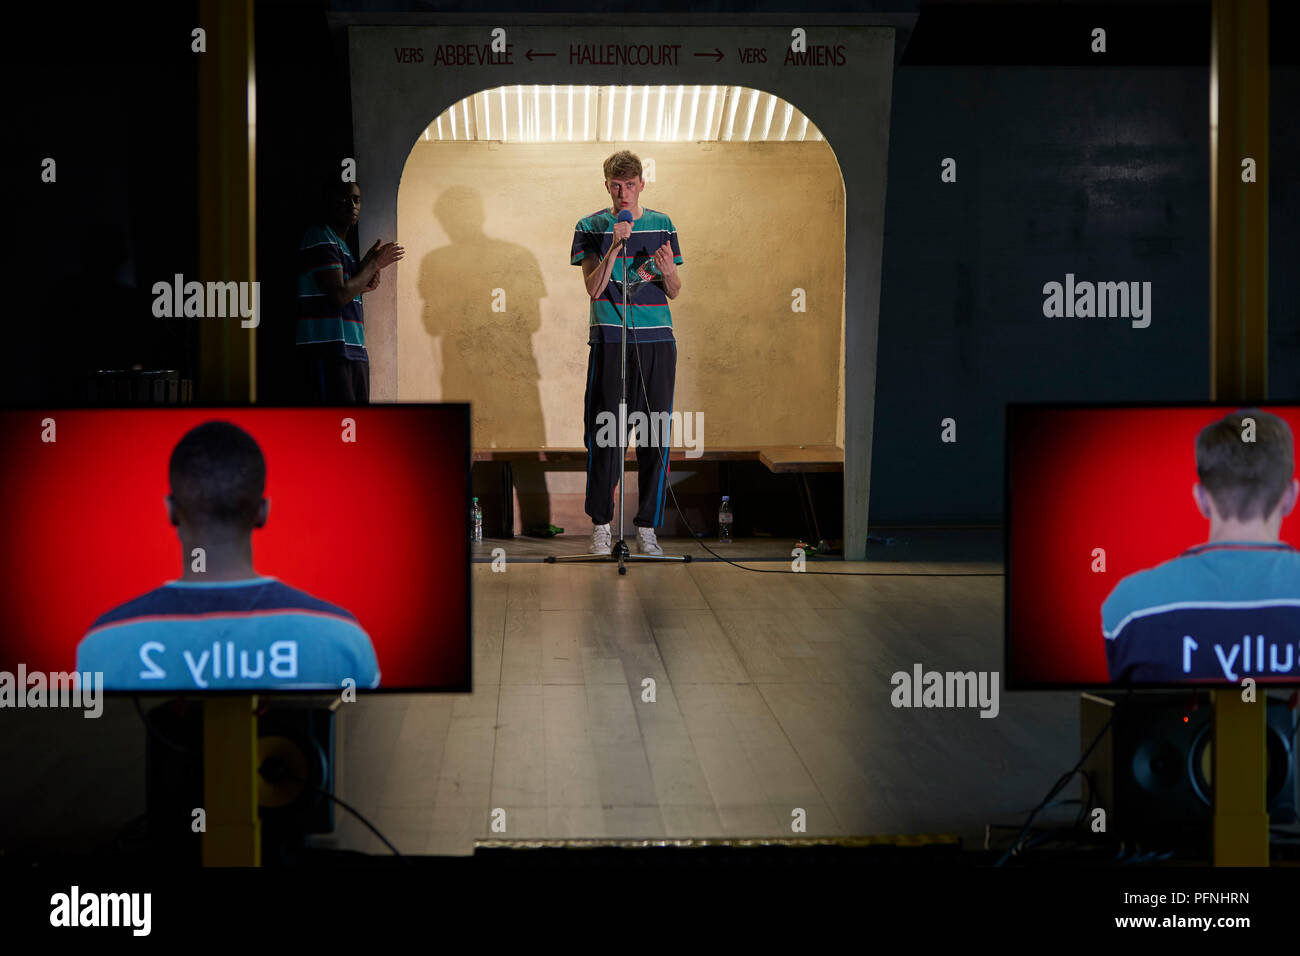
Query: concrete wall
x: 754, y: 220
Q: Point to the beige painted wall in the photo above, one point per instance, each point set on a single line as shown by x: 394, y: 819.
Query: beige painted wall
x: 755, y: 220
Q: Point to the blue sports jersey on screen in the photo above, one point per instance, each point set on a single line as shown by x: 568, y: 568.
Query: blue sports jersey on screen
x: 228, y: 635
x: 1218, y: 612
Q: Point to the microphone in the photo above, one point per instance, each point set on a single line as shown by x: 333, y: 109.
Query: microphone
x: 625, y: 215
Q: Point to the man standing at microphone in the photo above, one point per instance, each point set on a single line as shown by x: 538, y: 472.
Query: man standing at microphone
x: 644, y: 251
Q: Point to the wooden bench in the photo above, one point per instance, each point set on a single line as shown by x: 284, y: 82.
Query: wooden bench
x: 779, y: 459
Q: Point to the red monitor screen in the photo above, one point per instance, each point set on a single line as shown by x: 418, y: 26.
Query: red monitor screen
x: 1152, y: 546
x: 238, y: 550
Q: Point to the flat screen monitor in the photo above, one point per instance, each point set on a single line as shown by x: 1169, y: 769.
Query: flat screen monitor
x: 236, y: 550
x: 1152, y: 546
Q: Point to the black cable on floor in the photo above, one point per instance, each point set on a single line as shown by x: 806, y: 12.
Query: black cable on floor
x: 699, y: 539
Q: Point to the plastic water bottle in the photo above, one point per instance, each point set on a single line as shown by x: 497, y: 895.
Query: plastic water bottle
x: 476, y: 521
x: 724, y: 521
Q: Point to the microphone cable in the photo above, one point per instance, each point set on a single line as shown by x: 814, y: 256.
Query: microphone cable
x: 663, y: 461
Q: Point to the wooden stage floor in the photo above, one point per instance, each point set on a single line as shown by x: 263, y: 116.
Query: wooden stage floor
x: 772, y: 695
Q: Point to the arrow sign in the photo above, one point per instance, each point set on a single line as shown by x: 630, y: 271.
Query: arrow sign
x: 716, y: 54
x: 530, y: 54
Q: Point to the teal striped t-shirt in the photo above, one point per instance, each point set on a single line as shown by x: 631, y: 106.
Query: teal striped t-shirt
x: 322, y: 325
x: 648, y: 303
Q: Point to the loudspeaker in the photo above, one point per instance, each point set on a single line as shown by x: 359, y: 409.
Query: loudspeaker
x: 296, y: 736
x: 1152, y: 771
x: 299, y: 737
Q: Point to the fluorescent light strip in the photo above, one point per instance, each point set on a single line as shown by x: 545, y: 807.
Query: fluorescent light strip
x: 708, y: 122
x: 735, y: 108
x: 673, y: 118
x: 767, y: 119
x: 749, y: 119
x: 787, y: 115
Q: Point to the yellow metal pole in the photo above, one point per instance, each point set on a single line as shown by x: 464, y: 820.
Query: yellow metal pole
x: 227, y: 167
x: 1239, y: 366
x: 234, y: 832
x: 228, y: 373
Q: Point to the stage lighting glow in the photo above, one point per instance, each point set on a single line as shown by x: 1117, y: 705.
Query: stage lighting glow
x: 734, y: 96
x: 749, y: 119
x: 649, y: 114
x: 695, y: 108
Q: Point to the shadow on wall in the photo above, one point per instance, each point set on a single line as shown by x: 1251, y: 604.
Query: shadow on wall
x: 465, y: 335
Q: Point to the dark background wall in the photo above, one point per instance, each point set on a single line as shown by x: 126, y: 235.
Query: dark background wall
x: 1284, y: 211
x: 1098, y: 171
x: 110, y: 94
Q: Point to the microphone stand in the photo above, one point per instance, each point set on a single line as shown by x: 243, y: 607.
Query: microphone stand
x: 619, y: 552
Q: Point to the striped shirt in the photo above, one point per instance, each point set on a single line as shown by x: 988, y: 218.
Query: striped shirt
x: 650, y: 315
x: 1217, y: 612
x: 321, y: 323
x: 257, y: 634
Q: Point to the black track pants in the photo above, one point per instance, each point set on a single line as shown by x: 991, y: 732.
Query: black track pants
x: 658, y: 364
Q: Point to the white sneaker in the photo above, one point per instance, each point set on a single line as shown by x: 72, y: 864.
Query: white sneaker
x: 646, y: 542
x: 600, y: 539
